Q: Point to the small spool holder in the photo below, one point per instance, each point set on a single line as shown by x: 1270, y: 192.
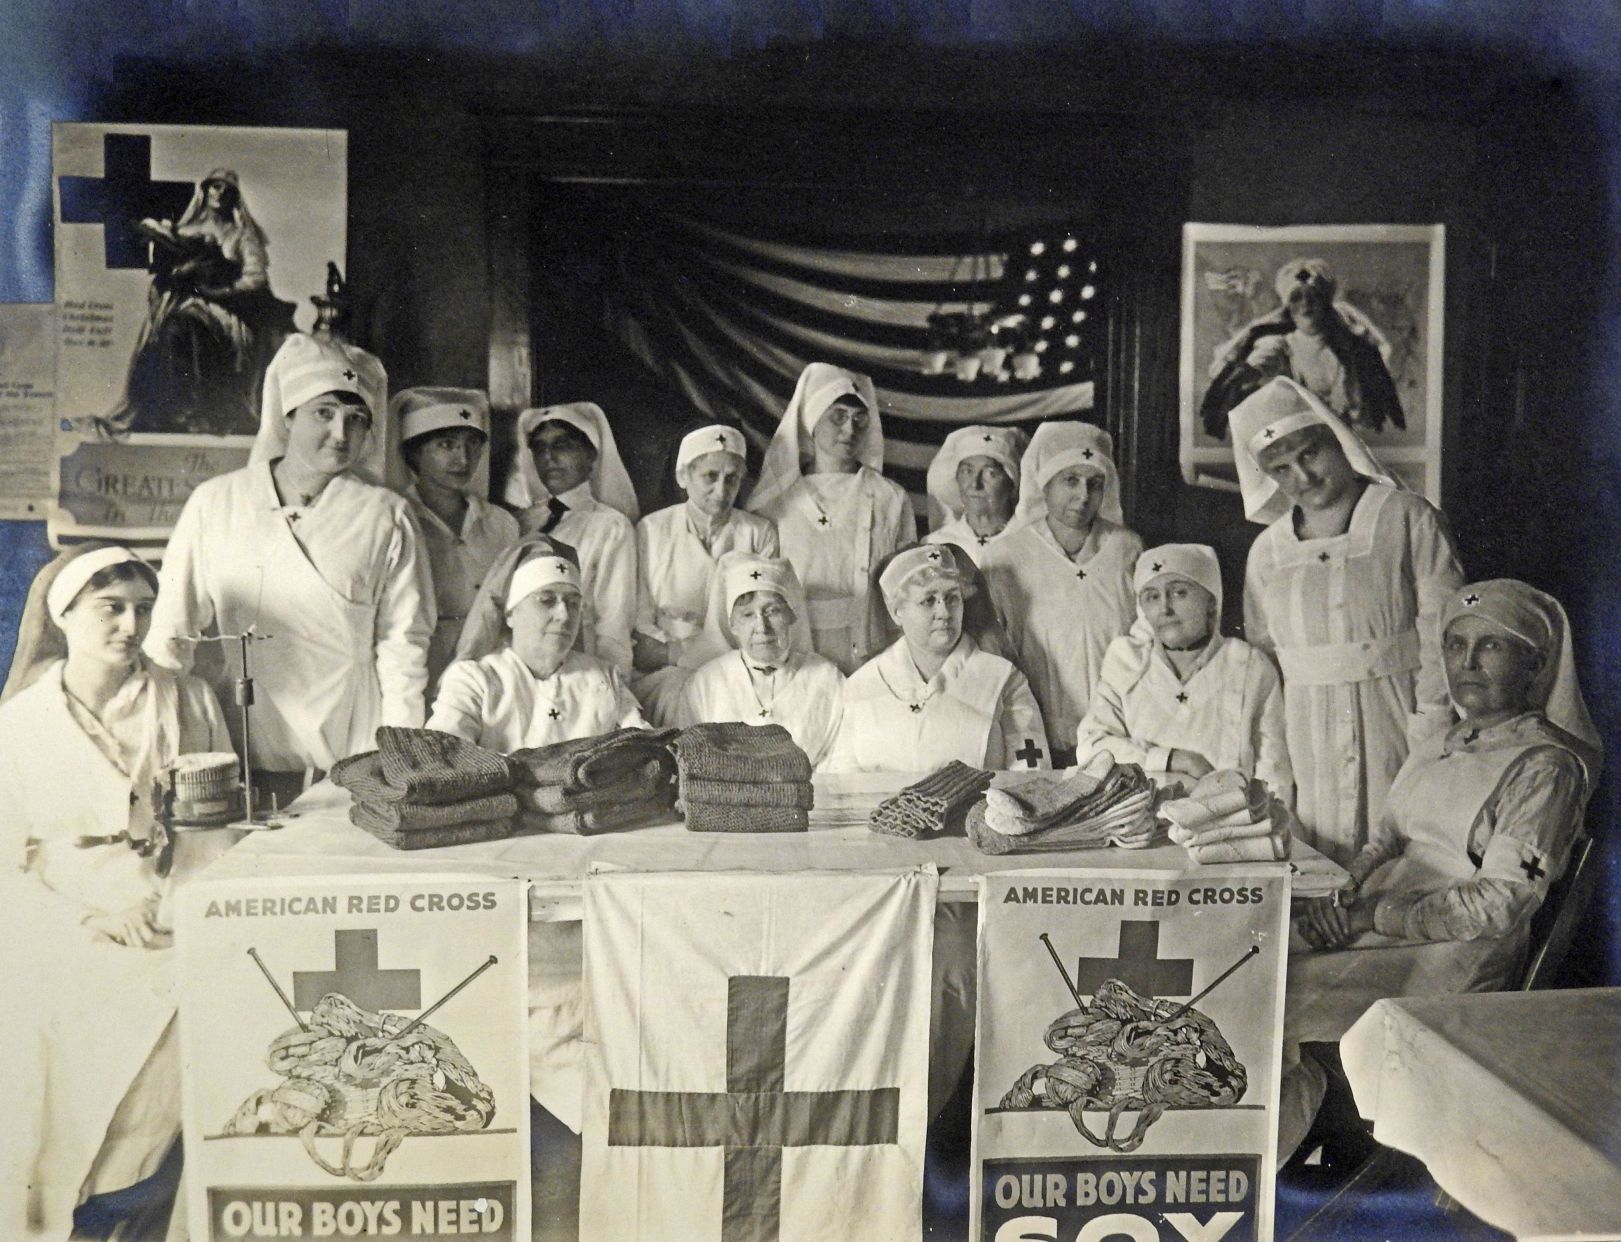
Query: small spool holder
x: 242, y: 696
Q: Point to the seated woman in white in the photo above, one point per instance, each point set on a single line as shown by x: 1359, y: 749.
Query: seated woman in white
x: 1479, y: 823
x: 443, y: 436
x: 772, y: 677
x: 677, y: 549
x: 535, y: 689
x: 1175, y: 695
x: 1062, y: 578
x: 935, y: 695
x: 87, y: 727
x: 837, y: 516
x: 569, y: 482
x: 973, y: 482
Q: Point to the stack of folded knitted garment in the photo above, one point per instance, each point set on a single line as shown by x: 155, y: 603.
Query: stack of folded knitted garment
x: 1103, y: 803
x: 620, y: 779
x: 737, y: 777
x: 1227, y: 817
x: 938, y: 803
x: 421, y: 788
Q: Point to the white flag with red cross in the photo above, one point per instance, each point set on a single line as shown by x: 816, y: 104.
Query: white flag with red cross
x: 756, y: 1055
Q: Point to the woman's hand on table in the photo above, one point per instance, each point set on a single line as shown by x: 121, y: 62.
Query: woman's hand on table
x: 1332, y: 922
x: 1189, y: 763
x: 135, y: 927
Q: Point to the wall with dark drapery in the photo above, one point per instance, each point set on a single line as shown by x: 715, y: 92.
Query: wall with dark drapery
x: 486, y: 164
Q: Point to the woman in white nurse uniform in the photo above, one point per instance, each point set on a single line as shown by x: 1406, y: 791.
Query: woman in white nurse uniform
x: 974, y: 482
x: 303, y: 547
x: 83, y: 946
x: 837, y: 516
x: 568, y: 482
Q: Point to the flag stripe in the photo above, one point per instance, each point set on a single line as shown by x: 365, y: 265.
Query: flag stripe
x: 864, y: 265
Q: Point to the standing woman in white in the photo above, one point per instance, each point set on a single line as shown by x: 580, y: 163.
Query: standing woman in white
x: 678, y: 550
x: 302, y: 545
x: 1062, y: 579
x: 1344, y: 587
x: 836, y: 514
x: 568, y: 482
x: 443, y: 436
x: 974, y: 481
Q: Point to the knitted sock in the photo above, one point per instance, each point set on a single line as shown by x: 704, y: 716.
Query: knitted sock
x: 425, y: 765
x: 925, y: 807
x: 590, y: 762
x: 601, y: 819
x: 651, y: 780
x: 431, y: 838
x: 413, y: 816
x: 712, y: 817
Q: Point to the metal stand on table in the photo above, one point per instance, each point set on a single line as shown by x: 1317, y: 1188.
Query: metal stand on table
x: 242, y: 696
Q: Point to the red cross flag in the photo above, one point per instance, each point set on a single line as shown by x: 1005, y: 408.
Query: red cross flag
x: 756, y: 1055
x: 1127, y: 1053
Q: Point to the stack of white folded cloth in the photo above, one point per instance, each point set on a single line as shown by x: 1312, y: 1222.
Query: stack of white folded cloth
x: 1226, y: 817
x: 1103, y: 803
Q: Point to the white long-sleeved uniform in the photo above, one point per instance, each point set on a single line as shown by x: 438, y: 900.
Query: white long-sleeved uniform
x: 805, y: 696
x: 458, y: 560
x: 835, y: 528
x: 1062, y: 613
x: 1229, y: 710
x: 1353, y: 622
x: 977, y: 709
x: 498, y: 703
x: 606, y: 543
x: 340, y: 589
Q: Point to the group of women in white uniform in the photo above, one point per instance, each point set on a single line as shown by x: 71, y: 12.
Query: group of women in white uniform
x: 1029, y: 629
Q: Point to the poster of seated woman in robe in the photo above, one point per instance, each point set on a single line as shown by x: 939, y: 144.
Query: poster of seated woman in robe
x: 1353, y: 312
x: 184, y: 257
x: 1127, y: 1053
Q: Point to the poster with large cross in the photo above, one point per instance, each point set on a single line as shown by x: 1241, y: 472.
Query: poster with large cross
x: 356, y: 1057
x: 184, y: 256
x: 1128, y: 1051
x: 756, y: 1055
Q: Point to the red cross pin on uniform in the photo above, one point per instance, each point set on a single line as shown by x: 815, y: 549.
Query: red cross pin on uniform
x: 555, y: 714
x: 1182, y: 697
x: 1324, y: 557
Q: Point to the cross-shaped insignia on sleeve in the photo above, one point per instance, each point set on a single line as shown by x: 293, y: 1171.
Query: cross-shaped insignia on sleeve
x: 1470, y: 600
x: 1532, y: 867
x: 1182, y: 697
x: 755, y: 574
x: 348, y: 374
x: 1324, y: 557
x: 554, y: 714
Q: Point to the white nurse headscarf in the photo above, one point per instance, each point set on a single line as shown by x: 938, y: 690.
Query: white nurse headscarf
x: 1003, y: 445
x: 736, y: 575
x: 820, y: 385
x: 1057, y: 446
x: 1275, y: 410
x: 306, y: 367
x: 426, y: 409
x: 1538, y: 620
x: 610, y: 482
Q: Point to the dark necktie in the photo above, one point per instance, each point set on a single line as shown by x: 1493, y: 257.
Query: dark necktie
x: 557, y: 509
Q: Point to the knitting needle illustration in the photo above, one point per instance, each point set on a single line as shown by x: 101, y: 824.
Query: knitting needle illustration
x: 271, y: 980
x: 423, y: 1016
x: 1254, y: 950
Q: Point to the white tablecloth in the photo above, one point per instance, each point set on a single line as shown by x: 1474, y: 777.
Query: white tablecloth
x: 1512, y: 1100
x: 319, y: 840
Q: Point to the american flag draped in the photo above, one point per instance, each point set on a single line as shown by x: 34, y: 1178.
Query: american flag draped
x: 731, y: 319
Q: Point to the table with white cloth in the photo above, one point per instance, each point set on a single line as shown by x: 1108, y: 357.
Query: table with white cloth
x: 1511, y: 1099
x: 319, y: 840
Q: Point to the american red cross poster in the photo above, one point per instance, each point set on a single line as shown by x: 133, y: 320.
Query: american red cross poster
x: 1128, y: 1052
x: 185, y: 254
x: 756, y: 1055
x: 356, y: 1058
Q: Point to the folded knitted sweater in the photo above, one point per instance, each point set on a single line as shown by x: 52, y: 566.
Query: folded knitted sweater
x: 742, y: 753
x: 589, y: 762
x: 719, y: 817
x: 424, y: 766
x: 651, y: 780
x: 415, y: 817
x: 747, y: 793
x: 432, y: 838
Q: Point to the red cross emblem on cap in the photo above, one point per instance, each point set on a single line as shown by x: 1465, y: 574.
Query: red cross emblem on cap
x: 562, y: 566
x: 987, y: 439
x: 933, y: 556
x: 1155, y: 568
x: 465, y: 413
x: 720, y: 439
x: 1269, y: 433
x: 1087, y: 453
x: 755, y: 575
x: 348, y: 374
x: 1471, y: 599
